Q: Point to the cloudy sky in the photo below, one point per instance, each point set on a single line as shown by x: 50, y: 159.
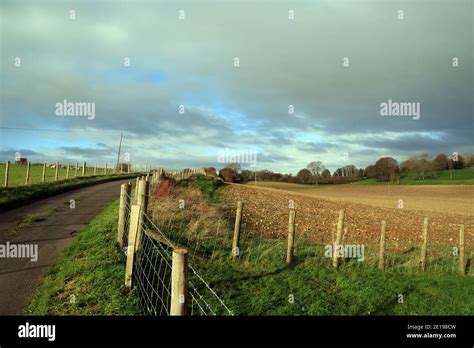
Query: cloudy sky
x: 402, y: 56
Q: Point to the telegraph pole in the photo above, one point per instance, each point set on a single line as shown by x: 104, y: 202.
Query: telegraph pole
x: 120, y: 148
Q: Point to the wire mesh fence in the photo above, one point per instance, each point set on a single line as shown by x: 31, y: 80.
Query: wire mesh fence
x: 152, y: 275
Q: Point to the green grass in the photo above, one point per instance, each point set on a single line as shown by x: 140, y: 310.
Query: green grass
x: 266, y: 285
x: 209, y: 186
x: 17, y: 175
x: 459, y: 177
x: 88, y: 278
x: 11, y: 197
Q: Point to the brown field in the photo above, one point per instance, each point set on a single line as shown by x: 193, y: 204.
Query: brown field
x: 266, y: 211
x: 457, y: 199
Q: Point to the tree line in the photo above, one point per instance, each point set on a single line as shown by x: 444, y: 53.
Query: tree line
x: 420, y: 167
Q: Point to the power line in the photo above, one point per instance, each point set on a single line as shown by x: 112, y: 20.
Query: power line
x: 58, y: 130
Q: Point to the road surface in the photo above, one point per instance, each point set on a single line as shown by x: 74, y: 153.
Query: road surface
x: 50, y: 224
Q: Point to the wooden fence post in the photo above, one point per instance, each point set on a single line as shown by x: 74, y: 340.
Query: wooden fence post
x: 7, y: 171
x: 291, y: 237
x: 27, y: 173
x: 179, y: 282
x: 43, y: 177
x: 340, y: 229
x: 84, y: 169
x: 134, y: 227
x: 137, y: 181
x: 235, y: 253
x: 125, y: 190
x: 105, y: 169
x: 382, y: 246
x: 67, y: 171
x: 425, y: 244
x: 56, y: 173
x: 95, y: 168
x: 462, y: 264
x: 143, y: 203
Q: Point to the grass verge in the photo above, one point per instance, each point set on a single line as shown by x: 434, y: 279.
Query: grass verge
x: 88, y: 278
x: 310, y: 286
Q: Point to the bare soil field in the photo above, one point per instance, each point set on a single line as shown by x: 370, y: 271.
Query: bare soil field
x: 266, y: 211
x: 457, y: 199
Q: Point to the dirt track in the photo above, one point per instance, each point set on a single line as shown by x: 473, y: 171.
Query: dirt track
x: 19, y: 277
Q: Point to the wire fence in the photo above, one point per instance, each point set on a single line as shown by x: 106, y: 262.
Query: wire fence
x: 25, y: 173
x: 208, y: 229
x: 152, y: 270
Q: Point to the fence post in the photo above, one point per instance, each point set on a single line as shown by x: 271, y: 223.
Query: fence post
x: 95, y: 168
x: 382, y: 246
x: 235, y: 241
x: 67, y: 171
x: 462, y: 264
x: 125, y: 190
x: 340, y: 229
x: 143, y: 203
x: 105, y: 169
x: 7, y: 171
x: 179, y: 282
x: 425, y: 244
x: 56, y: 173
x: 137, y: 181
x: 135, y: 213
x: 43, y: 177
x: 84, y: 169
x: 27, y: 173
x: 291, y: 236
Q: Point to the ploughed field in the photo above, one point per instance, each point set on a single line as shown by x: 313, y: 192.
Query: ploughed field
x: 317, y: 208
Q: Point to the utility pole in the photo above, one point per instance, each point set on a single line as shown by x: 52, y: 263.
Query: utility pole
x: 120, y: 148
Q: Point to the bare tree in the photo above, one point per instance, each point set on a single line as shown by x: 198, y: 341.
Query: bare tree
x: 421, y: 166
x: 316, y: 168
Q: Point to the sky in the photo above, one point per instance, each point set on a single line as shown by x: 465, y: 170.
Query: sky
x: 171, y: 85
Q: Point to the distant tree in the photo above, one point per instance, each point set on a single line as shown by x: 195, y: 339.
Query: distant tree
x: 235, y: 166
x: 457, y: 162
x: 304, y: 176
x: 440, y: 162
x: 405, y: 166
x: 371, y: 172
x: 247, y: 175
x: 316, y: 168
x: 361, y: 174
x: 384, y: 167
x: 470, y: 160
x: 421, y: 167
x: 228, y: 174
x: 325, y: 174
